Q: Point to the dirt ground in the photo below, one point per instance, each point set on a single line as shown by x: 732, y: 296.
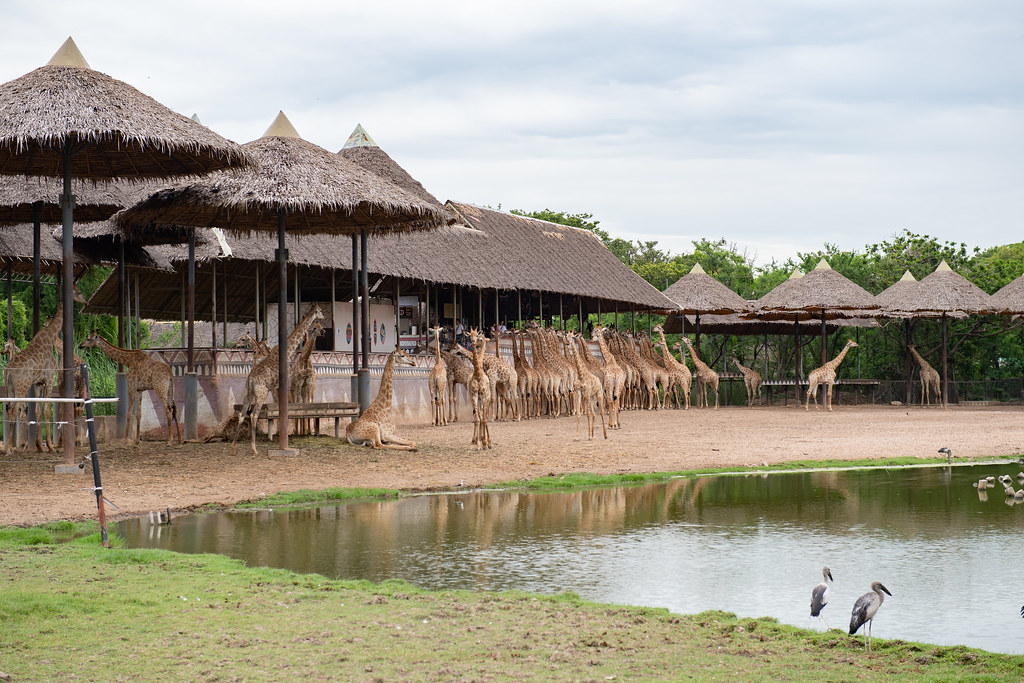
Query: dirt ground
x: 154, y: 476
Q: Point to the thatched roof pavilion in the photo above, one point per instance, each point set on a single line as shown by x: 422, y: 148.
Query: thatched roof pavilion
x: 492, y: 251
x: 737, y: 324
x: 24, y: 200
x: 1010, y: 299
x: 819, y: 291
x: 698, y: 293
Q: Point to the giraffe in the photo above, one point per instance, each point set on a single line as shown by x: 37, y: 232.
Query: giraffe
x: 302, y: 379
x: 265, y: 376
x: 35, y: 366
x: 614, y: 378
x: 459, y: 372
x: 503, y: 378
x: 588, y: 389
x: 705, y: 377
x: 438, y: 383
x: 645, y: 371
x: 631, y: 387
x: 825, y: 376
x: 479, y: 393
x: 751, y: 379
x: 529, y: 378
x: 10, y: 349
x: 551, y: 382
x: 680, y: 374
x: 557, y: 361
x: 259, y: 348
x: 929, y: 378
x: 374, y: 427
x: 144, y: 373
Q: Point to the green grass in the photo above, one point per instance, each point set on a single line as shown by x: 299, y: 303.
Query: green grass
x: 307, y: 496
x: 78, y: 611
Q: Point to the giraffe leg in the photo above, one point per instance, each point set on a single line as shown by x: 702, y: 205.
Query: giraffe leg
x: 829, y: 396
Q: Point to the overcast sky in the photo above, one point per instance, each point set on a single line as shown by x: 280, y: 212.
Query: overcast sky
x: 778, y: 125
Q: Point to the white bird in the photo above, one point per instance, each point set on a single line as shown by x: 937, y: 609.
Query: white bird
x: 819, y: 595
x: 865, y: 608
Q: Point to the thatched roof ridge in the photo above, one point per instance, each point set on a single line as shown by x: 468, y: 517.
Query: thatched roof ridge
x: 822, y: 289
x: 317, y: 190
x: 127, y: 134
x: 1010, y: 299
x: 943, y: 291
x: 698, y: 292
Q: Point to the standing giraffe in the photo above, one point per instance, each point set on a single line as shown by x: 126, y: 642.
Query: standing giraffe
x: 679, y: 373
x: 438, y: 383
x: 479, y: 393
x: 752, y: 380
x: 614, y: 378
x: 34, y: 366
x: 706, y: 377
x: 929, y: 378
x: 144, y: 373
x: 529, y: 378
x: 588, y: 388
x: 302, y: 379
x: 374, y: 427
x: 825, y: 376
x: 265, y: 377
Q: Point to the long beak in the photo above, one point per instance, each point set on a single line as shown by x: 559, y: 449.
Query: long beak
x: 886, y: 590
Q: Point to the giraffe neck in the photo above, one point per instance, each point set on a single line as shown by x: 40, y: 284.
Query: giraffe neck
x: 918, y: 357
x: 839, y: 359
x: 693, y: 354
x: 116, y: 353
x: 47, y: 335
x: 383, y: 400
x: 297, y: 335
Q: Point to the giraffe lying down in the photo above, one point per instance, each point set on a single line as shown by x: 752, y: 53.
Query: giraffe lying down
x: 374, y: 427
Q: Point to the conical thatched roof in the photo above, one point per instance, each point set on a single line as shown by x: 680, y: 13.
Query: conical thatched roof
x: 96, y: 242
x: 16, y: 250
x: 942, y: 292
x: 361, y: 149
x: 93, y: 201
x: 821, y: 290
x: 698, y: 292
x: 317, y: 191
x: 1010, y: 299
x: 118, y: 131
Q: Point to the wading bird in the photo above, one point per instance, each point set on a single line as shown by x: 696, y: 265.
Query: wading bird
x: 949, y: 453
x: 864, y: 610
x: 819, y: 596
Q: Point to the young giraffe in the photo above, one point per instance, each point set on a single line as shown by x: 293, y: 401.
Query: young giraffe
x: 825, y: 376
x: 265, y: 377
x: 374, y: 427
x: 680, y: 374
x: 751, y: 380
x: 479, y: 393
x: 35, y: 366
x: 929, y: 378
x: 706, y: 377
x: 588, y: 388
x: 438, y: 383
x: 614, y: 378
x: 144, y: 373
x: 302, y: 378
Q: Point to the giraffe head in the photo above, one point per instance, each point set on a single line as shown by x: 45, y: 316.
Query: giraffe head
x: 77, y: 296
x: 10, y: 348
x: 851, y: 344
x: 402, y: 358
x: 598, y: 332
x: 92, y: 340
x: 658, y: 329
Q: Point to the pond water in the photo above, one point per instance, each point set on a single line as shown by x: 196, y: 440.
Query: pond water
x: 749, y: 544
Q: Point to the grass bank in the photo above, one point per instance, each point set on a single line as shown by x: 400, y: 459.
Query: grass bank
x: 76, y: 610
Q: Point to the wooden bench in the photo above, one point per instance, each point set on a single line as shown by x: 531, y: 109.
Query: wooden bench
x: 305, y: 411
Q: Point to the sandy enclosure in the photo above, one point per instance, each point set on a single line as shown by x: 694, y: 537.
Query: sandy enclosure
x: 154, y: 476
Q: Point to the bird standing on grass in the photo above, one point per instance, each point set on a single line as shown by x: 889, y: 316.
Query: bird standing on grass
x: 865, y: 608
x: 819, y: 596
x: 949, y: 453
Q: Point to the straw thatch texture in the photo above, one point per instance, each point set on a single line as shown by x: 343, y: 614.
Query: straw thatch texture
x: 16, y: 250
x: 376, y: 161
x: 822, y: 289
x: 318, y: 191
x: 501, y: 251
x: 736, y: 324
x: 1010, y: 299
x: 96, y: 242
x: 117, y: 131
x: 93, y: 201
x: 941, y: 292
x: 698, y: 292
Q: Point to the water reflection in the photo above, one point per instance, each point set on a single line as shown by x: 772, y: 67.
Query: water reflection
x: 753, y: 545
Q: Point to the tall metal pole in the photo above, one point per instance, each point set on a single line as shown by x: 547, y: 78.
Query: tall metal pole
x: 37, y: 210
x: 90, y: 424
x: 282, y: 336
x: 213, y: 304
x: 364, y: 285
x: 191, y: 379
x: 945, y: 365
x: 356, y: 330
x: 67, y: 202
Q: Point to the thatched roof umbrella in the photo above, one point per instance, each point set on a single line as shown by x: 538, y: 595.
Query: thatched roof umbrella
x: 1010, y: 299
x: 943, y: 294
x: 67, y: 120
x: 294, y: 186
x: 903, y: 289
x: 697, y: 292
